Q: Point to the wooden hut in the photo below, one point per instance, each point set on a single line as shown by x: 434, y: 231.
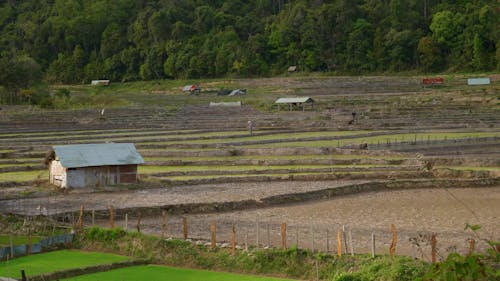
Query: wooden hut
x: 93, y: 165
x: 292, y: 103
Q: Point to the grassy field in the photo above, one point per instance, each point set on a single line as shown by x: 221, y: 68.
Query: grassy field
x: 17, y: 240
x: 23, y: 176
x: 160, y: 273
x: 55, y: 261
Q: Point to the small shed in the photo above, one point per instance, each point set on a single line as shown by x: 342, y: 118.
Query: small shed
x: 295, y: 103
x: 93, y: 165
x: 100, y: 82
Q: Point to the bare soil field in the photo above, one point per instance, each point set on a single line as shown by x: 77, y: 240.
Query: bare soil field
x: 416, y: 214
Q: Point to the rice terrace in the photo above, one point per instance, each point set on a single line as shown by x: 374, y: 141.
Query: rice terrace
x: 378, y: 166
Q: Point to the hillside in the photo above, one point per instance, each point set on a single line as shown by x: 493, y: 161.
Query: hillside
x: 74, y: 41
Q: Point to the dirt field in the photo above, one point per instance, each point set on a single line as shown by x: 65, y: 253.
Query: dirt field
x: 415, y: 213
x: 193, y: 194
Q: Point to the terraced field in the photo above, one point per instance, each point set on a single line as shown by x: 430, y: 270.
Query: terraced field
x: 202, y: 156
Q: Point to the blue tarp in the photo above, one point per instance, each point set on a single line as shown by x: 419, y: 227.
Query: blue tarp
x: 20, y: 250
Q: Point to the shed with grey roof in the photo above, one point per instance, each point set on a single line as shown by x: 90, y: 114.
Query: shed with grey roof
x: 93, y: 165
x: 299, y: 102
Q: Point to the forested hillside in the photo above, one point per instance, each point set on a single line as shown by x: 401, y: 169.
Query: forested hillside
x: 73, y: 41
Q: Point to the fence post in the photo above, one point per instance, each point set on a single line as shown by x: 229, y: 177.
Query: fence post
x: 213, y: 239
x: 297, y: 236
x: 185, y: 228
x: 339, y: 243
x: 394, y: 240
x: 283, y: 236
x: 126, y: 221
x: 268, y: 232
x: 312, y: 237
x: 139, y: 217
x: 327, y: 241
x: 28, y: 246
x: 350, y: 242
x: 111, y: 217
x: 93, y: 217
x: 233, y: 240
x: 163, y: 224
x: 472, y: 245
x: 433, y: 247
x: 257, y: 230
x: 246, y: 240
x: 373, y: 244
x: 344, y: 236
x: 80, y: 219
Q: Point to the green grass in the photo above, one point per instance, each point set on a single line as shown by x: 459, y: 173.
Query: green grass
x: 464, y: 168
x: 272, y: 137
x: 161, y: 169
x: 235, y: 176
x: 55, y: 261
x: 17, y: 240
x: 382, y: 139
x: 24, y: 176
x: 160, y: 273
x: 279, y: 157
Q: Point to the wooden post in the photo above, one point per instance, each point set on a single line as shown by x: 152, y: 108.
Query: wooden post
x: 344, y: 237
x: 433, y: 247
x: 472, y: 245
x: 233, y: 240
x: 327, y: 241
x: 28, y: 247
x: 268, y: 236
x: 312, y: 237
x: 23, y: 275
x: 297, y: 237
x: 257, y: 233
x: 213, y: 240
x: 339, y: 243
x: 246, y: 241
x: 394, y: 240
x: 111, y: 217
x: 139, y: 217
x: 185, y: 227
x: 283, y: 236
x: 11, y: 247
x: 126, y: 222
x: 373, y: 244
x: 93, y: 217
x: 163, y: 224
x: 351, y: 247
x: 80, y: 218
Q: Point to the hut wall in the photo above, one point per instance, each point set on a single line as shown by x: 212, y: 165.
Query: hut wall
x: 101, y: 176
x: 57, y: 173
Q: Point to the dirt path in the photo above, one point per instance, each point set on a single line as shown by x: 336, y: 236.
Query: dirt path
x: 207, y: 193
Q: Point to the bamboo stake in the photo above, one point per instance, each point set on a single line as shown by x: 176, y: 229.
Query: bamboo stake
x: 233, y: 240
x: 339, y: 243
x: 163, y: 224
x: 394, y: 240
x: 283, y: 236
x: 185, y: 227
x: 433, y: 247
x: 111, y: 217
x: 373, y: 244
x: 139, y: 217
x: 213, y: 240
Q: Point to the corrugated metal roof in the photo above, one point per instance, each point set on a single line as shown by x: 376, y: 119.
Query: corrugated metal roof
x: 294, y: 100
x: 90, y: 155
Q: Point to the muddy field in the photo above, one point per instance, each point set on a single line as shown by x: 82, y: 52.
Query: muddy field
x: 415, y: 213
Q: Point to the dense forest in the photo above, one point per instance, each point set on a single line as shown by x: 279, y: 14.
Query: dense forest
x: 74, y: 41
